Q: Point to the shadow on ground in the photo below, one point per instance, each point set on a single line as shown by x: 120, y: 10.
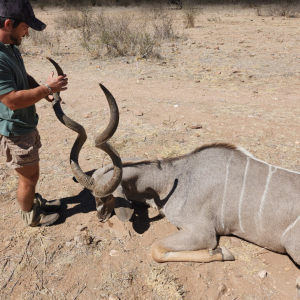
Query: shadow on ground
x: 86, y: 203
x: 140, y: 219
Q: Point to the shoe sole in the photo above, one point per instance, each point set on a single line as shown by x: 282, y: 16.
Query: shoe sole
x: 50, y: 222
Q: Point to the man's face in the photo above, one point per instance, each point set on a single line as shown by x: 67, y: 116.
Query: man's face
x: 18, y: 33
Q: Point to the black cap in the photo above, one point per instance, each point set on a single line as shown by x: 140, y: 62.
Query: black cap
x: 20, y: 10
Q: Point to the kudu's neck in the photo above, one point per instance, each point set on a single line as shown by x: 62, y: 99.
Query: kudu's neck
x: 151, y: 180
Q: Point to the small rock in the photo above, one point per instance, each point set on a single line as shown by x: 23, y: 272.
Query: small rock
x: 113, y: 253
x: 113, y: 297
x: 286, y: 269
x: 262, y: 274
x: 195, y: 126
x: 81, y: 227
x: 216, y: 291
x: 137, y: 113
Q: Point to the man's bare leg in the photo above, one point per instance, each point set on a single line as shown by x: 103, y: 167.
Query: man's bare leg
x: 28, y: 178
x: 33, y: 207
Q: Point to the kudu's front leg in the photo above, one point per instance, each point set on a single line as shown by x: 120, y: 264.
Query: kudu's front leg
x: 184, y: 245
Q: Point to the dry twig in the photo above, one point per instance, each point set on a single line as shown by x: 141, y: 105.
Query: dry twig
x: 79, y: 292
x: 12, y: 273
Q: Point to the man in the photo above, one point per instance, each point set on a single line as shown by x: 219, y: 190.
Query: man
x: 19, y: 138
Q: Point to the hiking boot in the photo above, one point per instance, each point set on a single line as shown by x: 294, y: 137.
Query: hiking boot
x: 37, y: 217
x: 47, y: 206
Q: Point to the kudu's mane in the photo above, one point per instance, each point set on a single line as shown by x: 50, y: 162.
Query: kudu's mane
x: 199, y: 149
x: 158, y: 162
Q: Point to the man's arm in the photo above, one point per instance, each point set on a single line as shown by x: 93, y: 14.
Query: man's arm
x: 33, y: 84
x: 24, y: 98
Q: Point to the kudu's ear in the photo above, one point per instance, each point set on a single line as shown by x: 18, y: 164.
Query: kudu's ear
x: 123, y: 209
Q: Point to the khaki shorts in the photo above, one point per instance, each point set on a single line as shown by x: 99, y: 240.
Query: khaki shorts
x: 21, y: 151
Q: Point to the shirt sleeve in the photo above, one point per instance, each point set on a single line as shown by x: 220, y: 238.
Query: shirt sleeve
x: 7, y: 82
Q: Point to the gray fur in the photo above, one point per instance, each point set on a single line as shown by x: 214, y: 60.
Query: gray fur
x: 217, y: 190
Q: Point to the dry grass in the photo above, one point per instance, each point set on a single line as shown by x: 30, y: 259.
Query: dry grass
x: 123, y: 34
x: 189, y: 16
x: 164, y: 285
x: 70, y: 20
x: 286, y: 9
x: 43, y: 41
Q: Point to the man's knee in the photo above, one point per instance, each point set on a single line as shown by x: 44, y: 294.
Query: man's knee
x: 29, y: 175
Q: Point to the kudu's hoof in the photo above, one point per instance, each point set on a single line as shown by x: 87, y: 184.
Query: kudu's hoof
x: 226, y: 254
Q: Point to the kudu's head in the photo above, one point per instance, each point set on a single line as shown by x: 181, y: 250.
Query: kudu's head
x: 101, y: 190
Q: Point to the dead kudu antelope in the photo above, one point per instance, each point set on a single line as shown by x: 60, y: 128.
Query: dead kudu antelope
x: 217, y: 189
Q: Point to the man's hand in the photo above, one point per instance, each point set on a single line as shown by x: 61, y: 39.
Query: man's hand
x: 57, y: 84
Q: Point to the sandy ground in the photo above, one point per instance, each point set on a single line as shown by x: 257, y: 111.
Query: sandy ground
x: 236, y: 74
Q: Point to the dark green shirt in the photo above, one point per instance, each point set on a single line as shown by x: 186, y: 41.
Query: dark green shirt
x: 13, y: 76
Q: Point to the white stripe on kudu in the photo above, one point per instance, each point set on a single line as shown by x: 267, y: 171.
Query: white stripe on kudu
x: 225, y: 190
x: 242, y: 194
x: 289, y: 227
x: 263, y: 199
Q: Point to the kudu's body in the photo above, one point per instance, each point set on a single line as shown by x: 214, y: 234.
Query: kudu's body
x: 215, y: 190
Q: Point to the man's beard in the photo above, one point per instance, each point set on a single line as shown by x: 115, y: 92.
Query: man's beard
x: 15, y: 40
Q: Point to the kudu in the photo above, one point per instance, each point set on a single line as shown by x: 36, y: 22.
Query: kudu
x: 217, y: 189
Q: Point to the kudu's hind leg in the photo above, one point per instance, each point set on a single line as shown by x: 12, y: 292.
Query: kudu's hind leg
x: 184, y: 245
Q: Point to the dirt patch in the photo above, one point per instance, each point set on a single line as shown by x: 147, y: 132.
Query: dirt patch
x: 237, y: 76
